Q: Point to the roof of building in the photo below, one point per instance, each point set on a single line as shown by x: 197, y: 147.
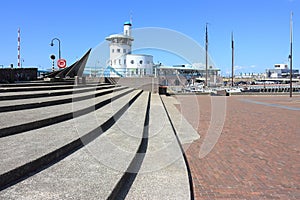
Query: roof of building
x: 118, y: 36
x: 133, y: 55
x: 127, y: 23
x: 186, y: 67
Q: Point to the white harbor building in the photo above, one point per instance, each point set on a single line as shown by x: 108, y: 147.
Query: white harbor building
x: 121, y: 62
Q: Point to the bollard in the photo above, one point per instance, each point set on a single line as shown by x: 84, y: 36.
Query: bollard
x: 83, y: 80
x: 76, y: 81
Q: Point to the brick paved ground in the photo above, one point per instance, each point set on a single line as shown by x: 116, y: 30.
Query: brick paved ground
x: 257, y: 155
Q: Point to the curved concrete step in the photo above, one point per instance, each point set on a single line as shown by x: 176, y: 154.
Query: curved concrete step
x: 93, y: 171
x: 185, y: 131
x: 24, y: 120
x: 22, y: 104
x: 163, y: 174
x: 33, y: 145
x: 36, y: 83
x: 49, y: 93
x: 40, y: 88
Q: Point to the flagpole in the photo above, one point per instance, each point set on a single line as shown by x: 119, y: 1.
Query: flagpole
x: 291, y: 55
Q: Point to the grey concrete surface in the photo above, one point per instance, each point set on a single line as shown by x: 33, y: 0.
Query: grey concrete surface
x: 28, y: 146
x: 83, y: 174
x: 163, y: 174
x: 93, y: 171
x: 185, y: 131
x: 75, y: 94
x: 15, y: 118
x: 73, y: 88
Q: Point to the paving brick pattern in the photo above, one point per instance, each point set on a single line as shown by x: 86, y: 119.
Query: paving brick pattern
x: 257, y: 155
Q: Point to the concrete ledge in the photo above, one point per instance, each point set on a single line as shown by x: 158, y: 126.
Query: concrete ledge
x: 163, y: 174
x: 185, y: 131
x: 23, y: 89
x: 64, y: 157
x: 37, y: 118
x: 142, y: 83
x: 56, y: 148
x: 22, y: 104
x: 83, y: 175
x: 49, y: 93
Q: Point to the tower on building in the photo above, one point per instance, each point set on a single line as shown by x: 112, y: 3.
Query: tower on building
x: 119, y: 47
x: 122, y: 62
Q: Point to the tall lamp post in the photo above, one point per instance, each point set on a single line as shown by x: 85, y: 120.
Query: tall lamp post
x: 52, y: 44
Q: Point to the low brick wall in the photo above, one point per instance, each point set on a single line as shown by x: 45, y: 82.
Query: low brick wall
x: 11, y: 75
x: 143, y: 83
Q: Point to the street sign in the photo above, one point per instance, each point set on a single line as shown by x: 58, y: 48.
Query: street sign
x: 61, y: 63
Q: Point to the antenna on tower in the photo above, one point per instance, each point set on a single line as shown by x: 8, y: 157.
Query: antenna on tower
x: 131, y: 17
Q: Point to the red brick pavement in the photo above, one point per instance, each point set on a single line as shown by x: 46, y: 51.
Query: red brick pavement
x: 257, y: 154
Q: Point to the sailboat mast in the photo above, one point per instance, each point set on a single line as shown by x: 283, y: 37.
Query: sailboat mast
x: 206, y: 55
x: 291, y: 55
x: 232, y: 59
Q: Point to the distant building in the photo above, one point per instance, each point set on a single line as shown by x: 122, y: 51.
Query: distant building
x: 281, y: 71
x: 189, y: 72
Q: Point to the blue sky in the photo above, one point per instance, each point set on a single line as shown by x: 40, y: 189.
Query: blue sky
x: 261, y: 28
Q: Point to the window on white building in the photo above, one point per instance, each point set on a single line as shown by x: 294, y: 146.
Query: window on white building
x: 118, y: 50
x: 124, y: 50
x: 132, y: 61
x: 112, y: 50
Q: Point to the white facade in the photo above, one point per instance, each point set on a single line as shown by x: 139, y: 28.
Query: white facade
x: 281, y: 71
x: 281, y: 66
x: 139, y: 64
x: 127, y: 29
x: 122, y: 62
x: 120, y: 45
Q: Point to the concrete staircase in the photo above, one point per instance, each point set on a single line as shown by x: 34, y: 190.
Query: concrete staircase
x: 94, y: 141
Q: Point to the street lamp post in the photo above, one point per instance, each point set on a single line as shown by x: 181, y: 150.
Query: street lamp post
x: 52, y: 44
